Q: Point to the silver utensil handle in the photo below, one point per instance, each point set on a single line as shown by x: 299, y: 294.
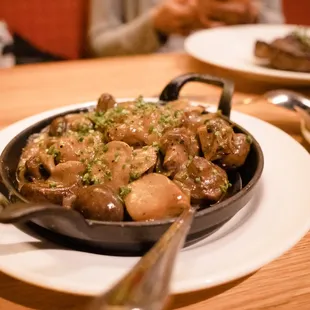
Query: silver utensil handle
x: 147, y: 285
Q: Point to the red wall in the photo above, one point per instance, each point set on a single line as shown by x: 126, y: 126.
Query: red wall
x: 59, y: 26
x: 55, y: 26
x: 297, y: 11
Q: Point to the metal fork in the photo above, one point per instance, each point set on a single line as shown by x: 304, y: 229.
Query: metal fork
x: 147, y: 285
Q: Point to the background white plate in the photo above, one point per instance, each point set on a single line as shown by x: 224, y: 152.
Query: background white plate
x: 232, y: 48
x: 276, y: 218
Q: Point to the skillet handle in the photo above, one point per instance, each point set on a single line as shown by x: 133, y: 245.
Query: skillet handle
x: 69, y: 220
x: 172, y: 90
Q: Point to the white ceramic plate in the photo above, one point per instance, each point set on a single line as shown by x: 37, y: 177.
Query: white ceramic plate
x: 232, y: 48
x: 277, y: 217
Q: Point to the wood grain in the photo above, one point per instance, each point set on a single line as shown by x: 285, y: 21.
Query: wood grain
x: 282, y: 285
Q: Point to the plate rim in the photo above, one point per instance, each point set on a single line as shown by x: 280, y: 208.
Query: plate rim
x: 38, y: 281
x: 299, y: 78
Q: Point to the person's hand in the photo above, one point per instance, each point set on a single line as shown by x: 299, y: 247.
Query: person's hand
x: 175, y: 17
x: 214, y: 13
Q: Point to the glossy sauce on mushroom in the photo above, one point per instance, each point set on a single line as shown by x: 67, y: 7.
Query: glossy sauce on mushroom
x: 135, y: 159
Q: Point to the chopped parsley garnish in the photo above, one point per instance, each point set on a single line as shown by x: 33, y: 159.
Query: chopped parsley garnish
x: 249, y: 139
x: 53, y: 151
x: 87, y: 178
x: 52, y: 184
x: 134, y: 176
x: 197, y: 180
x: 225, y: 187
x: 140, y: 102
x: 302, y: 35
x: 60, y: 128
x: 83, y: 129
x: 124, y: 191
x: 151, y: 129
x: 99, y: 113
x: 156, y: 146
x: 178, y: 114
x: 117, y: 157
x: 190, y: 159
x: 215, y: 171
x: 118, y: 109
x: 105, y: 148
x: 108, y: 175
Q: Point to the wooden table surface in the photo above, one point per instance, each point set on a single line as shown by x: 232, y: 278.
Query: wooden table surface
x: 283, y: 285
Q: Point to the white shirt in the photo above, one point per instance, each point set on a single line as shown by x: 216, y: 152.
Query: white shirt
x: 124, y: 27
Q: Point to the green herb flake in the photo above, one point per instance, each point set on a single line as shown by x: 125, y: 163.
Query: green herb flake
x: 99, y: 114
x: 86, y: 178
x: 108, y: 175
x: 54, y: 152
x: 140, y: 101
x: 214, y: 171
x: 134, y: 176
x: 249, y: 139
x: 117, y: 156
x: 151, y: 129
x: 198, y: 180
x: 95, y: 180
x: 83, y: 129
x: 52, y: 185
x: 59, y: 129
x: 155, y: 145
x: 302, y: 35
x: 225, y: 187
x: 124, y: 191
x: 177, y: 113
x: 105, y: 148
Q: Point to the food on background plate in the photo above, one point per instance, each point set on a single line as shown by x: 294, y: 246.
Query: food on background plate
x: 132, y: 160
x: 291, y: 52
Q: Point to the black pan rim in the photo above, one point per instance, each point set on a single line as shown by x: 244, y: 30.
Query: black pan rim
x: 87, y: 106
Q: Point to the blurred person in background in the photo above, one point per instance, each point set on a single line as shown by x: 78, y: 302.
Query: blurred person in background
x: 119, y: 27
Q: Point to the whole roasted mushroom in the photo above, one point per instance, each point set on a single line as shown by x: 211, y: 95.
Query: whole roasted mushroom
x: 202, y: 180
x: 177, y: 144
x: 155, y: 197
x: 98, y: 202
x: 105, y: 102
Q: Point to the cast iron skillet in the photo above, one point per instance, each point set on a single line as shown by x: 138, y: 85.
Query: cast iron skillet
x: 125, y: 238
